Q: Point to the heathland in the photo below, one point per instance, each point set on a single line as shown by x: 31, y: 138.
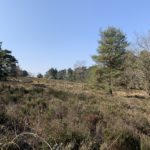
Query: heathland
x: 50, y: 114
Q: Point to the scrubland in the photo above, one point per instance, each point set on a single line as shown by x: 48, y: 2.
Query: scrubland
x: 46, y: 114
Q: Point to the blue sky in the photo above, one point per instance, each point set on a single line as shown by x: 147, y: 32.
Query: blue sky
x: 58, y: 33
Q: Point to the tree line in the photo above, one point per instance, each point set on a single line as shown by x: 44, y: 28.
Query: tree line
x: 117, y: 65
x: 77, y: 74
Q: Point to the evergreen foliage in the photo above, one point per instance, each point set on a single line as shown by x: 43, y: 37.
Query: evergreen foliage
x: 7, y: 64
x: 111, y: 51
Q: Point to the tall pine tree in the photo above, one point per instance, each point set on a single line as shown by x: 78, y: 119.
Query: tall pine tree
x: 112, y: 47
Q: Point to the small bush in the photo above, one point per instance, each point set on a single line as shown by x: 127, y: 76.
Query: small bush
x: 123, y: 140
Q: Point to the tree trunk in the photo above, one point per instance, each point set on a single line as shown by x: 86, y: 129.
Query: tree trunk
x: 110, y: 83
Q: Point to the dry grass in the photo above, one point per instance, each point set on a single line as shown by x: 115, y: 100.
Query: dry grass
x: 73, y: 114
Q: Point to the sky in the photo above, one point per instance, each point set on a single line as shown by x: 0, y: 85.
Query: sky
x: 60, y: 33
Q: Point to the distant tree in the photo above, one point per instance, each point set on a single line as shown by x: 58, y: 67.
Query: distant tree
x: 91, y: 78
x: 80, y: 73
x: 39, y: 75
x: 24, y: 73
x: 70, y: 74
x: 133, y: 76
x: 62, y: 74
x: 51, y: 73
x: 7, y: 64
x: 111, y: 50
x: 143, y: 41
x: 145, y: 58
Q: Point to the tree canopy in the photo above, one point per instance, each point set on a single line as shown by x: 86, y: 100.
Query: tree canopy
x: 111, y: 50
x: 7, y: 63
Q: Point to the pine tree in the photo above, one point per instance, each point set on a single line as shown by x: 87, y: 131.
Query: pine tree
x: 112, y: 47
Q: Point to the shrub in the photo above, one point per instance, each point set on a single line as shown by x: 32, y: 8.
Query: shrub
x: 123, y: 139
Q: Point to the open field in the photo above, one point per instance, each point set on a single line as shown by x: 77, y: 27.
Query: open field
x: 49, y: 114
